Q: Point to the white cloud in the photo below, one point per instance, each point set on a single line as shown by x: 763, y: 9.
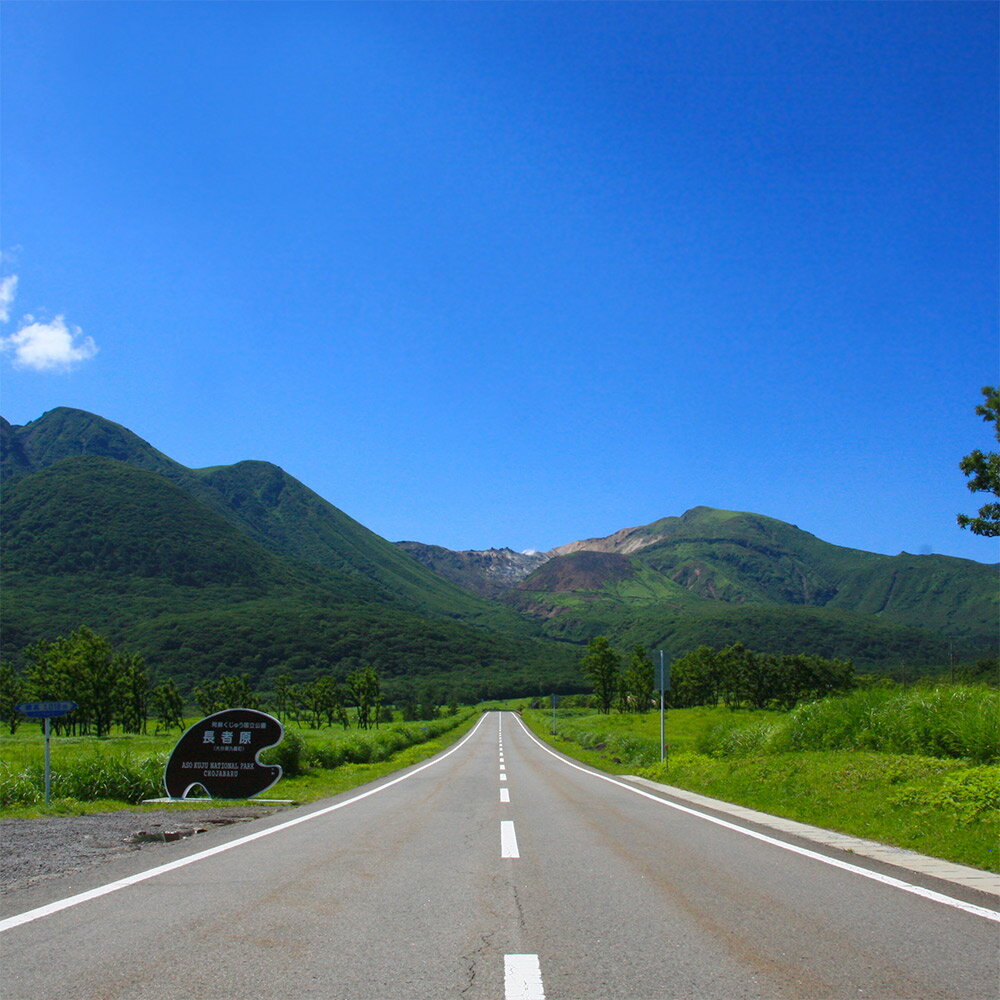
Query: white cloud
x: 49, y: 347
x: 8, y: 289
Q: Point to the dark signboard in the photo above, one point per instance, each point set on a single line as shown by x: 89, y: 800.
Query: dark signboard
x: 220, y: 754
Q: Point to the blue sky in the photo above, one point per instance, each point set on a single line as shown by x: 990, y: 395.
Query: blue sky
x: 517, y: 274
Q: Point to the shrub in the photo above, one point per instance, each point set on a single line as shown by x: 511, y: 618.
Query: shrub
x: 735, y: 738
x: 973, y: 794
x: 327, y: 755
x: 20, y: 788
x: 357, y: 750
x: 942, y: 721
x: 290, y: 754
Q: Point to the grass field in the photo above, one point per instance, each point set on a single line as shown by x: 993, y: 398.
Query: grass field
x: 117, y: 772
x: 944, y: 806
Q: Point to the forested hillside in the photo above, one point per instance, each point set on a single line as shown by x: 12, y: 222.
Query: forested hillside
x: 233, y: 569
x: 718, y: 576
x: 242, y: 568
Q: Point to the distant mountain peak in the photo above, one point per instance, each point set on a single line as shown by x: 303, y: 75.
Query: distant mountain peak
x: 487, y: 572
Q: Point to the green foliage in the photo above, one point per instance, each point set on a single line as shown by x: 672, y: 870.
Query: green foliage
x: 972, y: 795
x: 97, y: 776
x: 12, y: 689
x: 942, y: 808
x: 741, y: 678
x: 108, y: 686
x: 128, y: 769
x: 237, y: 569
x: 232, y: 691
x: 601, y: 666
x: 366, y: 690
x: 984, y: 671
x: 735, y: 737
x: 941, y: 721
x: 715, y: 577
x: 945, y: 807
x: 289, y: 754
x: 321, y: 701
x: 983, y: 470
x: 167, y: 705
x: 944, y: 721
x: 638, y: 682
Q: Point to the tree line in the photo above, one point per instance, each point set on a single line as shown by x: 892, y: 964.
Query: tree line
x: 111, y: 688
x: 734, y: 675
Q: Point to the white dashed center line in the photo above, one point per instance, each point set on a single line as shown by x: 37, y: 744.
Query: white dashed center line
x: 508, y: 840
x: 505, y: 795
x: 522, y: 978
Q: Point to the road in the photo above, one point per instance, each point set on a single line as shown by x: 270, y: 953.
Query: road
x: 496, y: 870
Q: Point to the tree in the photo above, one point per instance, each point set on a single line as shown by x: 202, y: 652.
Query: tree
x: 601, y: 667
x: 133, y: 708
x: 984, y: 471
x: 735, y: 669
x: 696, y: 678
x: 366, y: 690
x: 83, y: 668
x: 282, y: 695
x: 11, y: 695
x: 311, y: 699
x: 167, y: 705
x: 232, y: 691
x: 638, y: 681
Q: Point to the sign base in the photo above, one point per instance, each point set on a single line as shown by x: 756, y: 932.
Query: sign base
x: 205, y: 799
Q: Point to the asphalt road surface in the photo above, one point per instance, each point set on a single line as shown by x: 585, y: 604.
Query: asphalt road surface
x: 497, y: 870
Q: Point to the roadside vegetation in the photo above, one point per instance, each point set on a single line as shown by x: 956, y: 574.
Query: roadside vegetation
x: 120, y: 770
x: 917, y: 767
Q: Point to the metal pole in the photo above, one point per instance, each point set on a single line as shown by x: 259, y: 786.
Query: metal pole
x: 662, y: 745
x: 48, y: 768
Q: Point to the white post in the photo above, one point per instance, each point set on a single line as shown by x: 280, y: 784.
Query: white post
x: 48, y: 768
x: 661, y: 709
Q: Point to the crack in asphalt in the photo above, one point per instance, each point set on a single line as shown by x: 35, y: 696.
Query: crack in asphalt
x: 472, y: 958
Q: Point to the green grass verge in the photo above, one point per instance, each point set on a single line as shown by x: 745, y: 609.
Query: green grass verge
x: 312, y: 783
x: 946, y: 808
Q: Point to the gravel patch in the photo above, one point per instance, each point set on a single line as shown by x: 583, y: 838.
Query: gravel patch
x: 33, y: 850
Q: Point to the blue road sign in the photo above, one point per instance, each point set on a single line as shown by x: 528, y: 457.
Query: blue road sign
x: 45, y: 709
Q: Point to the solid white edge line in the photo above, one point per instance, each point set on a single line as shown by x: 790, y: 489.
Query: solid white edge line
x: 522, y: 978
x: 917, y: 890
x: 123, y: 883
x: 508, y: 840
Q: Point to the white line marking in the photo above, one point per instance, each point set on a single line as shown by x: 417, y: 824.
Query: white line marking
x: 503, y: 767
x: 522, y: 978
x: 503, y: 777
x: 917, y: 890
x: 83, y: 897
x: 505, y: 795
x: 508, y: 839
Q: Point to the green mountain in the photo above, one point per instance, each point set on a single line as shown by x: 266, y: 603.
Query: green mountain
x: 243, y: 568
x: 260, y: 500
x: 715, y: 576
x: 232, y: 569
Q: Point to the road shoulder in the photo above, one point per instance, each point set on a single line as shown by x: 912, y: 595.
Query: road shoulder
x: 946, y: 871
